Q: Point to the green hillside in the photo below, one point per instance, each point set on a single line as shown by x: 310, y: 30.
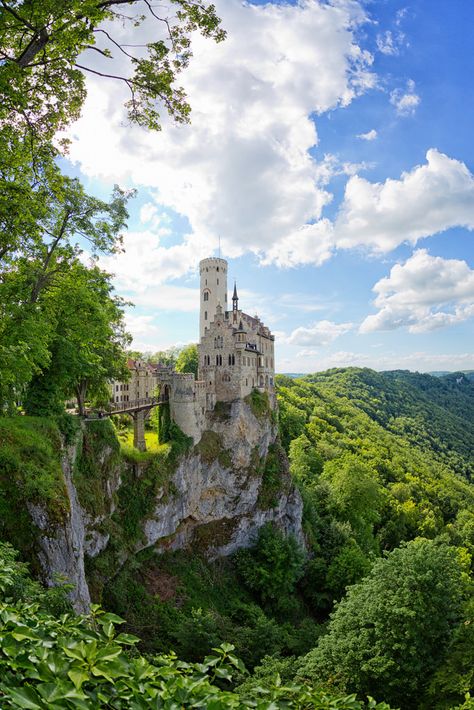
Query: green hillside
x: 434, y: 414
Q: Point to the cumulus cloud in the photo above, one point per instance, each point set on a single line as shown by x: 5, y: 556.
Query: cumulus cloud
x: 140, y: 325
x: 242, y: 168
x: 429, y: 199
x: 369, y: 136
x: 321, y: 333
x: 145, y: 262
x: 424, y: 293
x: 313, y: 361
x: 405, y: 101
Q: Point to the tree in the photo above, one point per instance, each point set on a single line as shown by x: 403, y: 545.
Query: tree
x: 392, y: 630
x: 188, y: 360
x: 356, y: 496
x: 36, y: 266
x: 272, y: 567
x: 47, y: 46
x: 86, y: 351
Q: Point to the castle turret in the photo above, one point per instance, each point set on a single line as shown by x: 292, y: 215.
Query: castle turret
x: 213, y: 272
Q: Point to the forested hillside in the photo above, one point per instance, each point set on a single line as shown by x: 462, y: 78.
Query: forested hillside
x: 380, y: 603
x: 382, y: 462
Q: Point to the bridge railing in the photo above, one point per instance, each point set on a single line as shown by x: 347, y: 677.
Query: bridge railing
x: 135, y: 403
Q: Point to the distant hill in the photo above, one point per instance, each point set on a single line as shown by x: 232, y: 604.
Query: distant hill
x: 459, y: 373
x: 435, y: 414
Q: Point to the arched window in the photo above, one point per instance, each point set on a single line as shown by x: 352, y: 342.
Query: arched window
x: 206, y: 295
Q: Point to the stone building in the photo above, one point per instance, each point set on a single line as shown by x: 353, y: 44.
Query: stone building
x: 144, y: 380
x: 236, y: 356
x: 236, y: 350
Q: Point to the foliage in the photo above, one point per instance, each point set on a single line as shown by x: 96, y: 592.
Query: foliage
x: 272, y: 472
x: 47, y: 46
x: 392, y: 629
x: 182, y: 601
x: 97, y: 460
x: 46, y: 49
x: 454, y: 678
x: 30, y: 473
x: 272, y: 567
x: 366, y: 485
x: 68, y: 662
x: 188, y: 360
x: 259, y: 403
x: 211, y: 448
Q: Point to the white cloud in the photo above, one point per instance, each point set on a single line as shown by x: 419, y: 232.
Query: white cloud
x: 424, y: 293
x: 140, y: 325
x: 312, y: 361
x: 318, y: 334
x: 407, y: 101
x: 242, y: 169
x: 144, y: 262
x: 387, y: 43
x: 369, y: 136
x: 429, y: 199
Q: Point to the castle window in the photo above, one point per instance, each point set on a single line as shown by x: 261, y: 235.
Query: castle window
x: 246, y: 381
x: 217, y: 270
x: 116, y: 388
x: 218, y: 279
x: 206, y: 295
x: 205, y: 315
x: 233, y: 360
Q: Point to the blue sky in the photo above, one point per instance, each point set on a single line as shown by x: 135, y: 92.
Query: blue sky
x: 331, y: 150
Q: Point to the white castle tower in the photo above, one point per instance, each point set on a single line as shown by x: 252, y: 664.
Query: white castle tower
x: 213, y: 273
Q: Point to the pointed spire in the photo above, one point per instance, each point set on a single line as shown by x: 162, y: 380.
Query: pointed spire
x: 235, y: 298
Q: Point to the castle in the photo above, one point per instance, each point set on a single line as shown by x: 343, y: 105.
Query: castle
x: 236, y: 355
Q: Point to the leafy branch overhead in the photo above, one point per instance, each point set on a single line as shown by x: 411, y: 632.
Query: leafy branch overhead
x: 46, y: 47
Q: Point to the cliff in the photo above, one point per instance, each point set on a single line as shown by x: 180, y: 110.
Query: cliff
x: 212, y: 497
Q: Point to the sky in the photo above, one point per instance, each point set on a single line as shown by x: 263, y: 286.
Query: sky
x: 330, y: 151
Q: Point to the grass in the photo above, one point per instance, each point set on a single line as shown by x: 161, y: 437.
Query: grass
x: 97, y: 461
x: 153, y: 446
x: 30, y: 471
x: 259, y: 403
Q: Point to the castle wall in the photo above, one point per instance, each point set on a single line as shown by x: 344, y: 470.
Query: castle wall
x: 188, y: 404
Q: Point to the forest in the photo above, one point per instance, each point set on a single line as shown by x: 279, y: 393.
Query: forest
x: 379, y: 605
x: 375, y: 612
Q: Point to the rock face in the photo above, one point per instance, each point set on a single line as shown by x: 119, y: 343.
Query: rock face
x: 215, y: 499
x: 62, y: 547
x: 218, y: 503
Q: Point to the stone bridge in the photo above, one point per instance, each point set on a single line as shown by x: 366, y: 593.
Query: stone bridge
x: 139, y: 410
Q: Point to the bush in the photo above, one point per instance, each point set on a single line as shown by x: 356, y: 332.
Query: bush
x: 272, y: 567
x: 391, y: 631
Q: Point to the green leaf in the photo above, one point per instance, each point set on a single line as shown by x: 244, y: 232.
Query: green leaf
x: 25, y: 697
x: 78, y: 677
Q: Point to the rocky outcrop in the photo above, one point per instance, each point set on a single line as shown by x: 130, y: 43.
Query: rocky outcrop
x: 214, y: 498
x: 62, y: 546
x: 218, y: 503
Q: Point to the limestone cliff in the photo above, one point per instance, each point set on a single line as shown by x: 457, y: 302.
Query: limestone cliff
x: 212, y: 497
